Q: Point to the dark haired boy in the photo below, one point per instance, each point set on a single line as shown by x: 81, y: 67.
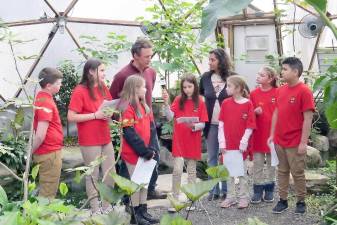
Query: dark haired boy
x: 48, y: 134
x: 291, y: 124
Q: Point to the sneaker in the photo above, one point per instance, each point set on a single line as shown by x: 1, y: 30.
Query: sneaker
x: 155, y: 195
x: 224, y: 196
x: 281, y: 206
x: 212, y: 197
x: 300, y: 207
x: 243, y: 203
x: 147, y: 216
x: 227, y: 203
x: 171, y: 210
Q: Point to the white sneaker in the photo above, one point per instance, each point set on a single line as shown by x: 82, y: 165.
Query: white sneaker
x: 171, y: 210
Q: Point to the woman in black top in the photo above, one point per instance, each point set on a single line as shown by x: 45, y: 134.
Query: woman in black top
x: 213, y: 88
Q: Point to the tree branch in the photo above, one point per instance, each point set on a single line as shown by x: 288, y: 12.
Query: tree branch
x: 11, y: 172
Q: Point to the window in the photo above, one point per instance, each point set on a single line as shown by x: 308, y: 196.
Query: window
x: 256, y: 48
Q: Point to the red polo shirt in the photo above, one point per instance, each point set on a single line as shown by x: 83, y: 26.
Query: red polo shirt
x: 291, y: 103
x: 46, y: 110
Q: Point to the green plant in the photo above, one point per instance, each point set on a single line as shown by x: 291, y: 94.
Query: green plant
x: 108, y: 50
x: 171, y: 29
x: 69, y: 81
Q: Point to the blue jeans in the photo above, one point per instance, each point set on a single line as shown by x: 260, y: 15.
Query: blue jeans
x: 213, y: 156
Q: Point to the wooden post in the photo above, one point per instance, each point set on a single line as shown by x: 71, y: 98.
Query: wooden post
x: 278, y: 32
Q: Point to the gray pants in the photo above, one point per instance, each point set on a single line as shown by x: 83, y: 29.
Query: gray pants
x: 261, y: 176
x: 213, y: 156
x: 89, y: 154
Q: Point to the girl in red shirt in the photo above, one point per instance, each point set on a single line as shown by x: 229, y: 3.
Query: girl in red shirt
x: 93, y: 128
x: 264, y: 100
x: 186, y: 135
x: 236, y: 124
x: 139, y: 140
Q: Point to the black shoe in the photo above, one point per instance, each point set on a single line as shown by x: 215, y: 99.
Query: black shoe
x: 155, y: 195
x: 281, y: 206
x: 146, y: 215
x: 258, y: 192
x: 300, y: 207
x: 212, y: 197
x: 137, y: 217
x: 269, y: 192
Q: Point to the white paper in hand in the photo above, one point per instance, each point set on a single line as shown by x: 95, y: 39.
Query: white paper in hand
x: 185, y: 119
x: 233, y: 161
x: 273, y: 155
x: 143, y: 171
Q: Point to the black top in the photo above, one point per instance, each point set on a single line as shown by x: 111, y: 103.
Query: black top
x: 207, y: 90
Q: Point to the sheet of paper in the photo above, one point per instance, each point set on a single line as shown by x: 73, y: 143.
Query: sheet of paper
x: 111, y: 105
x: 187, y: 119
x: 233, y: 161
x: 273, y: 155
x: 143, y: 171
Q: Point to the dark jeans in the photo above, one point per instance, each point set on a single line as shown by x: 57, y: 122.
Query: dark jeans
x: 154, y: 178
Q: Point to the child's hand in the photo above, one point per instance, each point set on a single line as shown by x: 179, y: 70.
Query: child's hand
x: 222, y: 150
x: 302, y: 149
x: 270, y: 140
x: 165, y: 96
x: 191, y: 125
x: 243, y: 146
x: 149, y: 155
x: 258, y: 110
x: 99, y: 115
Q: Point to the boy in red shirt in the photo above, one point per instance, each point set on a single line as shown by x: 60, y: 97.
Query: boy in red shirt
x: 291, y: 123
x: 48, y: 134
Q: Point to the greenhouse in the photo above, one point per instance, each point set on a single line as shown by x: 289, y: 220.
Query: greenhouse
x: 168, y: 112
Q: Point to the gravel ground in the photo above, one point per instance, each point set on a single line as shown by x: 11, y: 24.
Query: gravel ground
x: 233, y: 216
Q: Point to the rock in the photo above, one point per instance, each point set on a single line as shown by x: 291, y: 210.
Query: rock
x: 72, y: 157
x: 321, y: 143
x: 313, y: 159
x: 316, y: 182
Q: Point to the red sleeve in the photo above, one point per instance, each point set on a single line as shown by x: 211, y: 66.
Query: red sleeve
x: 175, y: 105
x: 76, y: 101
x: 251, y: 116
x: 203, y: 116
x: 307, y: 101
x: 128, y: 117
x: 252, y: 97
x: 107, y: 93
x: 116, y: 86
x: 42, y: 114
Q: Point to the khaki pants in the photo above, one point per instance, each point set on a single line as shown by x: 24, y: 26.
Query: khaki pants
x: 89, y: 154
x: 49, y: 173
x: 178, y: 171
x: 291, y: 162
x: 261, y: 176
x: 140, y: 196
x: 243, y: 186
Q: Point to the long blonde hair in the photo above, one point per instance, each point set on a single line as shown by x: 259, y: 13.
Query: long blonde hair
x: 129, y: 93
x: 239, y: 82
x: 271, y: 74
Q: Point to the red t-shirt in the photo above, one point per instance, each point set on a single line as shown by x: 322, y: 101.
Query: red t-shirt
x: 187, y: 143
x: 142, y: 128
x: 92, y: 132
x: 291, y: 103
x: 267, y: 101
x: 54, y: 136
x: 236, y: 118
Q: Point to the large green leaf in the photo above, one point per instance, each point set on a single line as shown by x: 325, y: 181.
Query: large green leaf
x: 331, y: 115
x: 112, y: 195
x: 177, y: 204
x: 195, y: 190
x: 35, y: 171
x: 113, y: 218
x: 9, y: 218
x: 3, y: 197
x: 63, y: 189
x: 125, y: 184
x: 318, y: 4
x: 218, y: 172
x: 174, y: 220
x: 217, y: 9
